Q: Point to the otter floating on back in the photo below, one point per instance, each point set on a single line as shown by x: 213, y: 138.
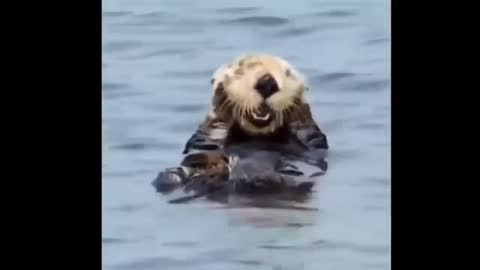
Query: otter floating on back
x: 259, y: 125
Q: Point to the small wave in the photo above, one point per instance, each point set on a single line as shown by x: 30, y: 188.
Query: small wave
x: 163, y: 52
x: 375, y: 41
x: 371, y: 126
x: 247, y: 262
x: 277, y: 247
x: 371, y: 85
x: 336, y: 13
x: 332, y: 245
x: 259, y: 21
x: 109, y: 95
x: 113, y: 240
x: 331, y: 77
x: 114, y: 86
x: 128, y: 208
x: 297, y: 31
x: 116, y: 13
x: 237, y: 10
x: 188, y: 74
x: 116, y: 46
x: 157, y: 263
x: 180, y: 244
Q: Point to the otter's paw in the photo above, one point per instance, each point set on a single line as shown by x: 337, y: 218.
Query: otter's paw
x: 168, y: 180
x: 317, y: 140
x: 206, y: 160
x: 288, y: 169
x: 317, y: 157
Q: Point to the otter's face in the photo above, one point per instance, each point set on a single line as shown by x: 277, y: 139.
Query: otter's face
x: 258, y: 92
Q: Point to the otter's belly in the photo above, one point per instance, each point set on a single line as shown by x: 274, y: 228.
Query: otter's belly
x: 270, y: 172
x: 249, y: 171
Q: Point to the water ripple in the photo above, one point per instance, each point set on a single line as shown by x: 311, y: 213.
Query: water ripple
x: 376, y: 41
x: 152, y: 18
x: 113, y: 240
x: 336, y: 13
x: 116, y: 13
x: 162, y: 52
x: 259, y: 21
x: 248, y: 262
x: 333, y: 245
x: 370, y: 182
x: 180, y: 244
x: 296, y: 31
x: 114, y: 86
x: 110, y: 95
x: 371, y: 126
x: 238, y: 10
x: 156, y: 263
x: 119, y: 46
x: 188, y: 74
x: 177, y: 108
x: 370, y: 85
x: 128, y: 208
x: 330, y: 245
x: 331, y: 77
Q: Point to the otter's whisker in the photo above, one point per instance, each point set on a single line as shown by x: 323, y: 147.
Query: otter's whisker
x: 288, y: 110
x: 279, y: 118
x: 250, y: 110
x: 238, y: 112
x: 228, y: 107
x: 223, y: 106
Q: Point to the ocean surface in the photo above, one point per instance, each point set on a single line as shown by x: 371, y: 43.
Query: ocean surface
x: 158, y: 57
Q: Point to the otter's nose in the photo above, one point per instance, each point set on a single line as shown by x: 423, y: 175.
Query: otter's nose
x: 266, y: 86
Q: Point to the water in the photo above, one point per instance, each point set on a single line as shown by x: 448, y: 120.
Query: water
x: 158, y: 57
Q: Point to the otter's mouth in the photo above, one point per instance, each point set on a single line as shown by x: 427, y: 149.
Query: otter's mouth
x: 262, y: 116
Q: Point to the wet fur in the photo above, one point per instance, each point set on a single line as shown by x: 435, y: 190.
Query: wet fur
x: 225, y: 131
x: 234, y: 96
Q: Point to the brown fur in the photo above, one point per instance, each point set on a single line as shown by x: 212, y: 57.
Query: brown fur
x: 234, y: 97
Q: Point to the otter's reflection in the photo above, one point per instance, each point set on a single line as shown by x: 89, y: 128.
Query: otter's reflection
x: 268, y: 211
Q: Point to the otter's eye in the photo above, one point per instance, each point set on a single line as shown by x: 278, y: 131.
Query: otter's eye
x: 212, y: 81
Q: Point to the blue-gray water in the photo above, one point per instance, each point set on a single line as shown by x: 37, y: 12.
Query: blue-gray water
x: 158, y: 56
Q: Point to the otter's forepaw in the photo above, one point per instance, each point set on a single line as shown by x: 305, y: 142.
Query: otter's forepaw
x: 305, y: 187
x: 317, y: 140
x: 288, y: 169
x: 169, y: 179
x: 322, y: 164
x: 317, y: 158
x: 232, y: 163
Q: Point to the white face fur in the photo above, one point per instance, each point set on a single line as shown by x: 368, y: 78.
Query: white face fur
x: 240, y: 77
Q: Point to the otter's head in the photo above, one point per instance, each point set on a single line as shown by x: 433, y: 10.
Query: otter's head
x: 259, y: 92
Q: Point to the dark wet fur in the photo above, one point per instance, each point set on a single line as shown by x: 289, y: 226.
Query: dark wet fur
x: 262, y: 169
x: 282, y: 143
x: 263, y: 166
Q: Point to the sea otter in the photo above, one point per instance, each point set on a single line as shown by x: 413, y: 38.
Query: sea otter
x: 259, y: 124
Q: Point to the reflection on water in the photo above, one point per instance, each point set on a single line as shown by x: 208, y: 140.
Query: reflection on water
x: 158, y: 57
